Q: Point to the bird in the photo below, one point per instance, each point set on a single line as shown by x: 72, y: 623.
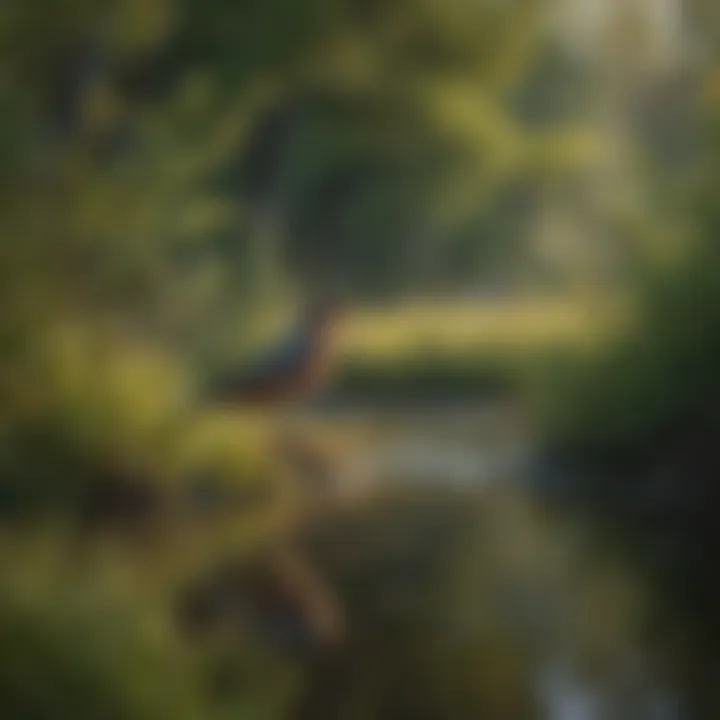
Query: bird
x: 283, y: 598
x: 289, y: 374
x: 294, y: 371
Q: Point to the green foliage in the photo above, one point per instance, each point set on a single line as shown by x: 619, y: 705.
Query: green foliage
x: 70, y: 652
x: 168, y: 170
x: 658, y: 377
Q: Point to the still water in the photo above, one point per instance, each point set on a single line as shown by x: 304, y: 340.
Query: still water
x: 550, y: 595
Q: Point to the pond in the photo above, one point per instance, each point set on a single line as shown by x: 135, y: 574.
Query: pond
x: 464, y: 596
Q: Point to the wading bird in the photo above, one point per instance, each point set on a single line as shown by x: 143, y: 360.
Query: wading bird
x: 284, y: 598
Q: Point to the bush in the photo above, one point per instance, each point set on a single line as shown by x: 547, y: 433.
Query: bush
x: 67, y: 654
x: 659, y: 378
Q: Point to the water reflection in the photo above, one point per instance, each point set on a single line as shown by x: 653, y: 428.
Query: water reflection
x: 455, y: 577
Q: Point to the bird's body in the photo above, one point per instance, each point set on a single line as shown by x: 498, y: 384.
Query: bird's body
x: 291, y: 372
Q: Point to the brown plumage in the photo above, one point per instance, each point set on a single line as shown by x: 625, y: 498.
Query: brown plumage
x: 292, y: 372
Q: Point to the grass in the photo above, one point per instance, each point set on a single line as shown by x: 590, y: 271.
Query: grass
x: 454, y: 326
x: 450, y: 350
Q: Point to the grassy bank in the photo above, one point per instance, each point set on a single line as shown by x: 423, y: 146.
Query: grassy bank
x: 459, y: 350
